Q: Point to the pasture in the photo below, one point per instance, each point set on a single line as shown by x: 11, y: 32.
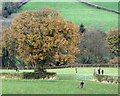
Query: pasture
x: 79, y: 13
x: 109, y: 5
x: 56, y: 87
x: 67, y: 82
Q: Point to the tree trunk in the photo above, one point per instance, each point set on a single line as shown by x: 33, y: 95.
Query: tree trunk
x: 40, y: 68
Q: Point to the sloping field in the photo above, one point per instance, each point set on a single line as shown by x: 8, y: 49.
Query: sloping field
x: 79, y: 13
x: 109, y: 5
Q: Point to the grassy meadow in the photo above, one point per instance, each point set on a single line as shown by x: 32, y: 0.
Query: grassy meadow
x: 56, y: 87
x: 70, y: 73
x: 67, y: 82
x: 109, y: 5
x: 79, y: 13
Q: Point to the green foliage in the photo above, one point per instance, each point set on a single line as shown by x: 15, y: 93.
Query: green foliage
x: 113, y: 41
x: 9, y: 59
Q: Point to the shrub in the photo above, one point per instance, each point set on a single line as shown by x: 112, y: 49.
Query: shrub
x: 107, y: 78
x: 11, y: 75
x: 28, y: 75
x: 37, y: 75
x: 114, y: 60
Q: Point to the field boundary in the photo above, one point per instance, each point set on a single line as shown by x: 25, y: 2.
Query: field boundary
x: 87, y: 65
x: 99, y: 7
x: 71, y: 66
x: 108, y: 78
x: 23, y: 3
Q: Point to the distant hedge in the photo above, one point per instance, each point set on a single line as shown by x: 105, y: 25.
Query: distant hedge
x: 37, y: 75
x: 71, y: 66
x: 11, y: 75
x: 86, y: 65
x: 28, y: 75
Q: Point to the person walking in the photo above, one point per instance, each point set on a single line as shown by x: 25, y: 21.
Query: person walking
x: 81, y: 84
x: 17, y: 70
x: 102, y: 71
x: 76, y: 70
x: 99, y: 71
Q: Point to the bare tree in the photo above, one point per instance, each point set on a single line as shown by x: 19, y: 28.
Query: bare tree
x: 92, y: 47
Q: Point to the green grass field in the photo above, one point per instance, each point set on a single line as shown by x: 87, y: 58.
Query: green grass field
x: 67, y: 83
x: 70, y: 74
x: 79, y: 13
x: 109, y: 5
x: 56, y: 87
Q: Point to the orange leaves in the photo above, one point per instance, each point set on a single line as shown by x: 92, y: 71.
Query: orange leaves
x: 113, y: 41
x: 65, y: 26
x: 44, y: 33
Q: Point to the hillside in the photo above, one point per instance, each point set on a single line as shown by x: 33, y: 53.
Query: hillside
x: 109, y: 5
x: 79, y: 13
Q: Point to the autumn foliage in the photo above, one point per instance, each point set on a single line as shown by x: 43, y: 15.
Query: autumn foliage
x: 43, y: 36
x: 113, y: 41
x: 115, y: 60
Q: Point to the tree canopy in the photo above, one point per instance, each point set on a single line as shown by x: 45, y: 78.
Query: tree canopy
x: 43, y: 36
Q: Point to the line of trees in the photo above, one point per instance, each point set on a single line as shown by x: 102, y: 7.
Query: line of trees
x: 98, y: 47
x: 43, y: 37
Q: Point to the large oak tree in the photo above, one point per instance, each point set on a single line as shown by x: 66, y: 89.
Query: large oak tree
x: 42, y: 37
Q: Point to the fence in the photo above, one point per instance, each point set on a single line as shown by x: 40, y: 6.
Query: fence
x: 99, y: 7
x: 73, y: 66
x: 87, y: 65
